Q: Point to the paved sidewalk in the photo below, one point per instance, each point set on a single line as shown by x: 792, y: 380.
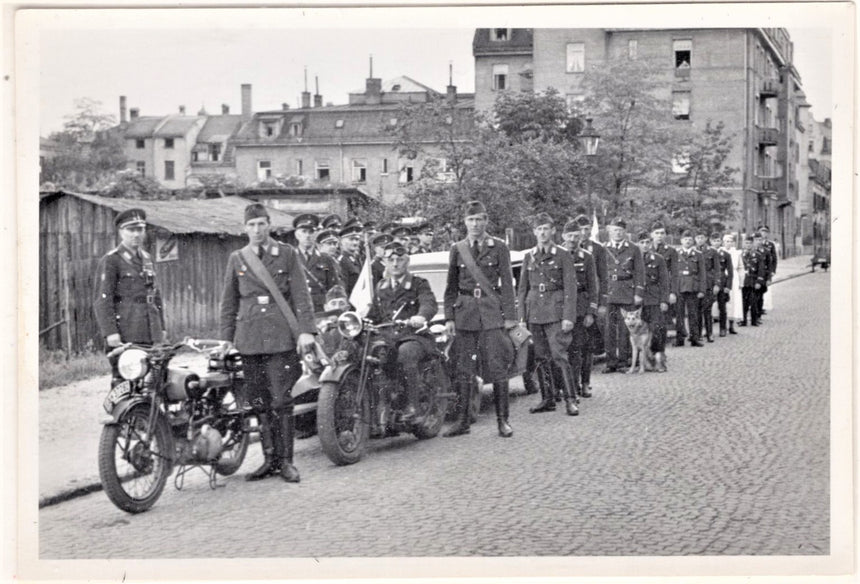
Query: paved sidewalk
x: 70, y: 424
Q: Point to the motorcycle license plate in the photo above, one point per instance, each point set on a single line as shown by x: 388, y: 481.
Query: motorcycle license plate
x: 117, y: 394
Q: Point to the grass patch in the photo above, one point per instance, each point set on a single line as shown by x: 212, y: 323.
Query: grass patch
x: 55, y: 370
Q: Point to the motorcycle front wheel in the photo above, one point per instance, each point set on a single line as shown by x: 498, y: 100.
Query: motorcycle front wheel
x: 134, y: 462
x: 235, y: 436
x: 343, y: 423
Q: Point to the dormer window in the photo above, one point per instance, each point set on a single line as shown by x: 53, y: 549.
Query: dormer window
x: 268, y: 129
x: 501, y: 34
x: 395, y: 87
x: 296, y: 129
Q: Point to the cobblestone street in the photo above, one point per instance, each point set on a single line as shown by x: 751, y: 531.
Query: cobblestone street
x: 727, y: 453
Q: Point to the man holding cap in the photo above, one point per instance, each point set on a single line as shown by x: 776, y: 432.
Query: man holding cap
x: 127, y: 303
x: 321, y: 270
x: 690, y: 285
x: 625, y: 285
x: 479, y: 308
x: 268, y: 337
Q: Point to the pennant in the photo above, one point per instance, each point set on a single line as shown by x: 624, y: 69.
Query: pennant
x: 361, y: 296
x: 595, y: 229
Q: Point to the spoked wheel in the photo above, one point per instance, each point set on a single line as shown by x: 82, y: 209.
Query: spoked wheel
x: 134, y: 460
x: 431, y: 408
x: 343, y: 422
x: 233, y: 434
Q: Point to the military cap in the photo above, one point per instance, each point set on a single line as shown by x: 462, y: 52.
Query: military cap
x: 644, y: 236
x: 763, y: 228
x: 618, y: 222
x: 542, y: 219
x: 686, y: 233
x: 474, y: 208
x: 401, y: 230
x: 571, y: 226
x: 582, y: 221
x: 382, y: 239
x: 716, y: 235
x: 255, y: 211
x: 702, y: 231
x: 395, y: 248
x: 352, y: 226
x: 657, y: 225
x: 748, y: 238
x: 370, y: 225
x: 326, y: 235
x: 332, y: 221
x: 387, y: 227
x: 131, y: 217
x: 757, y: 234
x: 306, y: 221
x: 424, y: 227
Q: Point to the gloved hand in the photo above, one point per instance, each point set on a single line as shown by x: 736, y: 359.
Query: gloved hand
x: 417, y: 321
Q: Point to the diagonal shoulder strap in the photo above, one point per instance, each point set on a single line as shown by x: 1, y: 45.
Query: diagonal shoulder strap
x: 260, y: 271
x: 472, y: 266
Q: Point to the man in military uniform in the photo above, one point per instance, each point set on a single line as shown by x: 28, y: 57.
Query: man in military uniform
x: 706, y: 304
x: 270, y: 346
x: 127, y: 303
x: 402, y: 234
x: 321, y: 270
x: 625, y: 285
x: 333, y: 222
x: 546, y: 300
x: 479, y: 315
x: 597, y: 330
x: 424, y: 233
x: 377, y: 265
x: 328, y: 243
x: 350, y: 258
x: 587, y: 295
x: 655, y: 300
x: 755, y: 277
x: 690, y: 287
x: 723, y: 283
x: 670, y: 254
x: 768, y: 250
x: 404, y: 296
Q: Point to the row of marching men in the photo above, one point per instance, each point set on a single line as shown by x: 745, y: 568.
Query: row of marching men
x: 631, y: 292
x: 333, y: 251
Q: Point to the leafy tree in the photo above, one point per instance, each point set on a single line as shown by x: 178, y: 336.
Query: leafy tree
x: 530, y: 116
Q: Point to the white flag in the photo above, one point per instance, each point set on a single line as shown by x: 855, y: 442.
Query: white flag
x: 595, y: 229
x: 361, y: 296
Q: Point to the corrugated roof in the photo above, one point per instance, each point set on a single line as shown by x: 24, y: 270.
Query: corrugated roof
x: 217, y: 127
x: 216, y: 216
x: 177, y: 126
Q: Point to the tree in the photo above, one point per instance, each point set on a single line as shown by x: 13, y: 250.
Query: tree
x: 530, y: 116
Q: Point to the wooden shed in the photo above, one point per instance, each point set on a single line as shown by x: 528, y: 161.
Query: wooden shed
x: 189, y: 240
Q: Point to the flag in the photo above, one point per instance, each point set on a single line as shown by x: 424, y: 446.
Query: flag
x: 595, y: 229
x: 361, y: 296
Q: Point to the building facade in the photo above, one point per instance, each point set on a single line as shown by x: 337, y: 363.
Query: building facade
x: 742, y: 77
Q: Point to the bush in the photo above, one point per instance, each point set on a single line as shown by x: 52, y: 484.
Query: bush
x: 55, y: 370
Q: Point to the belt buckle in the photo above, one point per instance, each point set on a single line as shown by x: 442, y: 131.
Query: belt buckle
x: 150, y: 298
x: 542, y: 287
x: 476, y: 292
x: 262, y: 299
x: 614, y: 277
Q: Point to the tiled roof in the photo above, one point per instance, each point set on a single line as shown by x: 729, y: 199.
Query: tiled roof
x: 142, y: 127
x: 520, y: 42
x: 219, y: 128
x: 177, y: 126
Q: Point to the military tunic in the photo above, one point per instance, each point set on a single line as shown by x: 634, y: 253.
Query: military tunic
x: 725, y: 279
x: 322, y: 274
x: 689, y: 282
x: 350, y: 270
x: 598, y: 327
x: 755, y: 272
x: 712, y: 266
x: 657, y: 289
x: 625, y: 278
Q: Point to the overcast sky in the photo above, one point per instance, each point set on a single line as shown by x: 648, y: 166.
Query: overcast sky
x: 159, y: 70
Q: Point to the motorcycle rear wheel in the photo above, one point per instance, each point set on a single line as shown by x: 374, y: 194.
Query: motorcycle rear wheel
x: 432, y: 407
x: 235, y: 437
x: 343, y: 424
x: 133, y: 463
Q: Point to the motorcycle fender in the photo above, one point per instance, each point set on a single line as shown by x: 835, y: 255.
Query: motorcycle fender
x: 121, y: 408
x: 335, y: 373
x: 306, y: 383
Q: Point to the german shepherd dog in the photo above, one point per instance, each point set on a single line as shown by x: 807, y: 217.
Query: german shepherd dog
x: 640, y: 341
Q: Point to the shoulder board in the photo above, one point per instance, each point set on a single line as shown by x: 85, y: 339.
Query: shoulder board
x: 491, y: 241
x: 114, y: 251
x: 583, y: 252
x: 144, y: 254
x: 553, y: 250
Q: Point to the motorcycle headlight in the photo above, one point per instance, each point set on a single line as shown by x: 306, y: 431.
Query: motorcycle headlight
x: 349, y: 324
x: 133, y: 364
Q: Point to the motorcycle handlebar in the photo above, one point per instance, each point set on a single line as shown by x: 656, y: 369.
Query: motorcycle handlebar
x: 199, y: 345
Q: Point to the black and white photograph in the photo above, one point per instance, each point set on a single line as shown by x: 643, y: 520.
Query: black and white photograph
x: 386, y: 292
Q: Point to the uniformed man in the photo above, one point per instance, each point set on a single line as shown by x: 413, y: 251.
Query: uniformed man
x: 402, y: 234
x: 597, y: 330
x: 670, y: 254
x: 377, y: 265
x: 706, y: 304
x: 328, y: 243
x: 387, y: 227
x: 127, y: 303
x: 350, y: 260
x: 321, y: 270
x: 546, y: 300
x: 771, y: 258
x: 252, y: 320
x: 424, y: 233
x: 723, y: 283
x: 755, y: 277
x: 404, y: 296
x: 587, y: 295
x: 690, y: 287
x: 625, y: 285
x: 333, y: 222
x: 479, y: 315
x: 655, y: 300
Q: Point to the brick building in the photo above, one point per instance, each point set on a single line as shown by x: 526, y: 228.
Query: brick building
x: 743, y: 77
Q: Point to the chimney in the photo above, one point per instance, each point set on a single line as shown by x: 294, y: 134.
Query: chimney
x: 134, y: 112
x: 246, y: 101
x: 225, y: 109
x: 317, y: 96
x: 182, y: 110
x: 123, y: 115
x: 451, y: 90
x: 373, y: 88
x: 285, y: 106
x: 306, y: 95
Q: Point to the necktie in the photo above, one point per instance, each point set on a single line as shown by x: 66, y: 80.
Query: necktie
x: 394, y: 284
x: 260, y: 252
x: 475, y: 248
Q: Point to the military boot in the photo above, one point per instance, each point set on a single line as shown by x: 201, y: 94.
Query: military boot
x: 568, y: 391
x: 547, y: 403
x: 288, y: 472
x: 501, y: 399
x: 464, y: 410
x: 660, y: 360
x: 270, y: 462
x: 587, y: 362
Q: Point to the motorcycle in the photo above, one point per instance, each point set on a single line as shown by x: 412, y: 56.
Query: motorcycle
x: 361, y: 396
x: 163, y: 416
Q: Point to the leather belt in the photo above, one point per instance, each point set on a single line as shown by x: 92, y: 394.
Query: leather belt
x: 476, y: 292
x: 615, y: 277
x: 148, y: 299
x: 262, y: 300
x: 543, y: 288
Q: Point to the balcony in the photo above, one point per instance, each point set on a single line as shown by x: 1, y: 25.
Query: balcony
x: 769, y: 88
x: 767, y: 136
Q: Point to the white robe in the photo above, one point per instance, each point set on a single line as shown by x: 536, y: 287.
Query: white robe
x: 734, y: 308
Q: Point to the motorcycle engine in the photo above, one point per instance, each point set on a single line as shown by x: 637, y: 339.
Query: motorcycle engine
x: 206, y: 445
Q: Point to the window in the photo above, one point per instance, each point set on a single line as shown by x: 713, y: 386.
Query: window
x: 141, y: 168
x: 407, y: 172
x: 139, y: 144
x: 338, y: 124
x: 683, y: 50
x: 825, y: 145
x: 214, y: 152
x: 385, y: 166
x: 681, y: 105
x: 169, y: 170
x: 268, y: 129
x: 359, y: 171
x: 501, y: 34
x: 444, y: 169
x: 323, y: 170
x: 680, y: 163
x: 195, y: 156
x: 811, y: 145
x: 168, y: 142
x: 632, y: 49
x: 500, y: 77
x: 299, y: 167
x: 575, y: 57
x: 264, y: 169
x: 296, y: 129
